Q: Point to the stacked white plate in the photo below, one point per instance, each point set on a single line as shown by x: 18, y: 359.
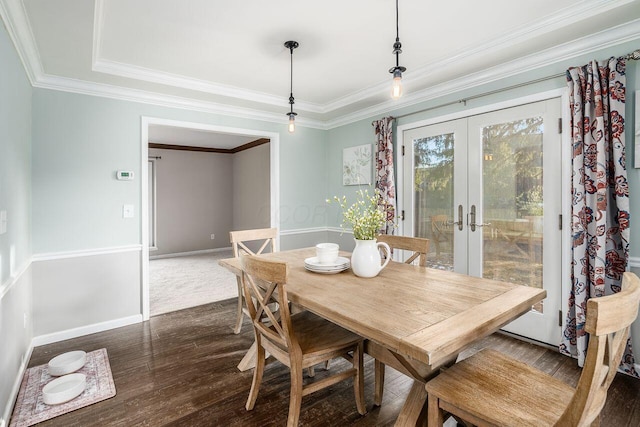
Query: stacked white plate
x: 339, y: 265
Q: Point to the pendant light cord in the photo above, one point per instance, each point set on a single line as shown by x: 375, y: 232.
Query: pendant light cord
x: 291, y: 99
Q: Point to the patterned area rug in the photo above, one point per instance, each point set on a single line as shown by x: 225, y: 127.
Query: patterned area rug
x: 30, y: 409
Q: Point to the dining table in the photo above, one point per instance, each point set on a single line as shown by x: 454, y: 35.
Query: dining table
x: 414, y: 319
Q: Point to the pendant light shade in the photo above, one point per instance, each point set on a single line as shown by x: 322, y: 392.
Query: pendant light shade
x: 291, y: 44
x: 396, y: 88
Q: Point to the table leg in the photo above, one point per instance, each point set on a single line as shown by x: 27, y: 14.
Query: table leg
x: 249, y: 359
x: 414, y: 411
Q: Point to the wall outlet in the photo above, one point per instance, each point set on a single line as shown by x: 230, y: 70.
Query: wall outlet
x: 25, y: 320
x: 213, y: 236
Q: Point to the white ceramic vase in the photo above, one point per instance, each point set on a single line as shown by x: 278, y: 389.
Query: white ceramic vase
x: 366, y: 260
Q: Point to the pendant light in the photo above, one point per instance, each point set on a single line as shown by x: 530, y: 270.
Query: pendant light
x: 291, y: 44
x: 396, y: 88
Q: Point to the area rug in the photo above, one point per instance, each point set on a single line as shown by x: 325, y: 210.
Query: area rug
x: 30, y: 409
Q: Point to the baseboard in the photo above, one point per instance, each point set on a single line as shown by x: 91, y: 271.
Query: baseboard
x: 85, y: 330
x: 13, y: 396
x: 201, y: 252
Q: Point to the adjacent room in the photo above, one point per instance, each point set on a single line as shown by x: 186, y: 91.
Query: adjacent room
x: 374, y: 213
x: 200, y: 183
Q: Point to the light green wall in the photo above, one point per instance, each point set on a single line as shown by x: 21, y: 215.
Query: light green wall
x: 15, y: 159
x: 80, y: 141
x: 15, y: 198
x: 361, y: 132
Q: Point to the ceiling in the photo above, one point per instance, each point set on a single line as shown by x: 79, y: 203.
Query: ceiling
x: 229, y: 57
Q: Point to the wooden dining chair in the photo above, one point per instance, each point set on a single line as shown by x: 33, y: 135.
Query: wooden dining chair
x: 298, y: 340
x: 417, y: 245
x: 419, y: 249
x: 490, y: 388
x: 441, y: 231
x: 252, y: 242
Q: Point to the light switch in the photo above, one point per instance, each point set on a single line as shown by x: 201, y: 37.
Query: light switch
x: 3, y: 222
x: 127, y: 211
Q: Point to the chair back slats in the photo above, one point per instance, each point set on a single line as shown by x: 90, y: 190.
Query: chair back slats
x: 608, y: 323
x: 417, y: 245
x: 263, y: 282
x: 240, y: 238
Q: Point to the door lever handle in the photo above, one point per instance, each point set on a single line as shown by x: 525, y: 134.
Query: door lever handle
x: 459, y: 222
x: 473, y: 224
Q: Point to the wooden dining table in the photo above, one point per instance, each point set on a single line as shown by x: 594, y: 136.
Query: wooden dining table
x: 415, y: 319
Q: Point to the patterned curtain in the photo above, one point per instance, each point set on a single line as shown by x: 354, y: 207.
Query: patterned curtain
x: 600, y: 196
x: 385, y: 180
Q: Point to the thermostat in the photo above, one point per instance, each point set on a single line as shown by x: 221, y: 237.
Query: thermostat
x: 124, y: 175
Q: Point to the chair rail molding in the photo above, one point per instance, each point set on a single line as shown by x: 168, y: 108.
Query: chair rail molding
x: 85, y: 252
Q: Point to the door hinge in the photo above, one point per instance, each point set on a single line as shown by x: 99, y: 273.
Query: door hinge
x: 560, y: 222
x: 402, y: 215
x: 560, y: 125
x: 403, y: 150
x: 559, y: 317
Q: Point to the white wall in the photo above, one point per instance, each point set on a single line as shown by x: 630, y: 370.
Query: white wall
x: 194, y: 190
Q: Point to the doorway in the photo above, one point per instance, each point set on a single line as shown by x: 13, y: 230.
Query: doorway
x: 146, y: 211
x: 486, y: 190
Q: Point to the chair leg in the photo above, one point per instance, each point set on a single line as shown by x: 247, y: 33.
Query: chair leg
x: 379, y: 382
x: 257, y: 375
x: 435, y: 416
x: 311, y: 372
x: 295, y: 398
x: 236, y: 329
x: 358, y: 381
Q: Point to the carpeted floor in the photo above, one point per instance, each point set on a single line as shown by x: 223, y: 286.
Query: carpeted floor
x: 188, y: 281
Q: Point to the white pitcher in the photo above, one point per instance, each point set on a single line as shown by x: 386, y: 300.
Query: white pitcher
x: 366, y: 260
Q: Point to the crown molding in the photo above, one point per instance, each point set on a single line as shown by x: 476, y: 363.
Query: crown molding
x: 145, y: 74
x: 65, y: 84
x: 605, y: 39
x: 551, y: 23
x: 15, y: 18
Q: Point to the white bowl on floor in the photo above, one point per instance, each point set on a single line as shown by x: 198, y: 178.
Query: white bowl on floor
x: 64, y: 389
x: 67, y: 363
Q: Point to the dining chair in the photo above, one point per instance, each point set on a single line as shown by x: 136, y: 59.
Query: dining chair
x: 252, y: 242
x: 417, y: 245
x: 419, y: 248
x: 490, y: 388
x: 298, y: 340
x: 441, y: 231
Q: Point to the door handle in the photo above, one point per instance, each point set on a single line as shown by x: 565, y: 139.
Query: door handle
x: 473, y: 224
x: 459, y: 222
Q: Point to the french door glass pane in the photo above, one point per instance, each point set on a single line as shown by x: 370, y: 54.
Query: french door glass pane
x: 433, y: 197
x: 512, y: 200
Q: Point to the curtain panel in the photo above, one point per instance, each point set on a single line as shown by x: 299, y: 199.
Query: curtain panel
x: 600, y: 196
x: 385, y: 178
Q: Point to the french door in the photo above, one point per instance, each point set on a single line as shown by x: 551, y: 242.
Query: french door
x: 486, y: 191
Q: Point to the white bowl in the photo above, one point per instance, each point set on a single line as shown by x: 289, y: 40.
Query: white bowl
x: 327, y: 253
x: 67, y: 363
x: 64, y: 389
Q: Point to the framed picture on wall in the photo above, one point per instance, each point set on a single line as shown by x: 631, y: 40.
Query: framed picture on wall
x: 356, y: 165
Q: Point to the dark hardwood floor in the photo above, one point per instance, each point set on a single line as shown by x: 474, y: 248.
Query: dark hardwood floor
x: 179, y: 369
